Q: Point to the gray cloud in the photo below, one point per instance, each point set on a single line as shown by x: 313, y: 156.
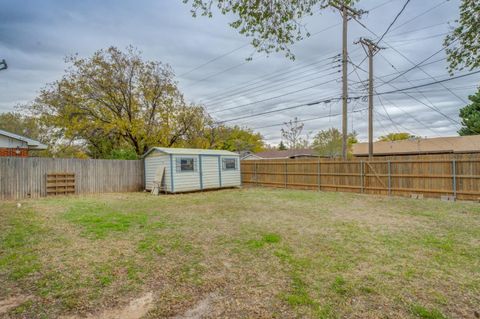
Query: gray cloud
x: 36, y: 36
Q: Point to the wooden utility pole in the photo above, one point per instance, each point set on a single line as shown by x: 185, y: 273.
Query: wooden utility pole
x: 371, y: 49
x: 346, y: 12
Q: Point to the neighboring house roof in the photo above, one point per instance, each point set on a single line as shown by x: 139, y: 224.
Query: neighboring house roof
x: 455, y: 144
x: 250, y: 156
x: 274, y: 154
x: 189, y: 151
x: 32, y: 144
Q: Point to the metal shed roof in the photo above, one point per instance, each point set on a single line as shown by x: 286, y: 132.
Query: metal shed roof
x: 189, y: 151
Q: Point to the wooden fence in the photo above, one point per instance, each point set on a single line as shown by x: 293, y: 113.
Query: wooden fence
x: 27, y: 177
x: 432, y: 177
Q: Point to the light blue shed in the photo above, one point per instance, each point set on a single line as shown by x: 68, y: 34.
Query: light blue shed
x: 189, y: 169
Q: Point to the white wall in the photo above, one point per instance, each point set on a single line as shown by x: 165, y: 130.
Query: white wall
x: 190, y: 181
x: 152, y: 162
x: 210, y: 171
x: 186, y: 181
x: 231, y: 178
x: 8, y: 142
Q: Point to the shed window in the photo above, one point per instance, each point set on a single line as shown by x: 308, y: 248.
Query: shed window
x: 229, y: 164
x: 186, y: 164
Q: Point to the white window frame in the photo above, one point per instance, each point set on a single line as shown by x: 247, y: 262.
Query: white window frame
x: 180, y: 168
x: 224, y: 164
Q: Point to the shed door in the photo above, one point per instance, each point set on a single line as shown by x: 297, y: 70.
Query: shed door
x: 210, y: 171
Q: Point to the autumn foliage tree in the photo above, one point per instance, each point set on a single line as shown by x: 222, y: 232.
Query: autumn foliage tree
x: 118, y: 104
x: 396, y: 137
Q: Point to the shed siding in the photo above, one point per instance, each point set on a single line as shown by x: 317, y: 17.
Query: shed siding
x: 152, y: 162
x: 186, y: 181
x: 231, y: 177
x: 211, y: 175
x: 210, y: 172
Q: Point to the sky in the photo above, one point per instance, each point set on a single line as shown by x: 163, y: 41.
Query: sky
x: 210, y: 62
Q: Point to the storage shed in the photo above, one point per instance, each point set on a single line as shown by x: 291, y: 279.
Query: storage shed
x: 188, y: 169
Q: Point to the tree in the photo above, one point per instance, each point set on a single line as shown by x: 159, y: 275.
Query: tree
x: 237, y: 139
x: 329, y: 142
x: 115, y: 100
x: 28, y: 126
x: 292, y: 133
x: 281, y: 146
x: 273, y: 25
x: 20, y: 124
x: 396, y: 137
x: 470, y: 115
x: 463, y: 44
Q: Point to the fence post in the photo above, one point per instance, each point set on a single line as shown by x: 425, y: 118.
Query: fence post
x: 319, y: 177
x: 256, y: 177
x: 454, y: 177
x: 362, y: 178
x: 286, y: 174
x: 389, y: 178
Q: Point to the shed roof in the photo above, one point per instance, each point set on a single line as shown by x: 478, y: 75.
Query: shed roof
x: 454, y: 144
x: 32, y: 144
x: 189, y: 151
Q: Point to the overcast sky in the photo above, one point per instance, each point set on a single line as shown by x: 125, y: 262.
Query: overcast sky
x: 35, y: 36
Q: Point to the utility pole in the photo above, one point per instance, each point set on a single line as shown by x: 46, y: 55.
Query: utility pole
x: 347, y: 13
x: 371, y: 49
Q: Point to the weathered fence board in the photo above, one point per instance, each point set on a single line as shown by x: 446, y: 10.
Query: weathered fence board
x: 26, y: 177
x: 431, y: 176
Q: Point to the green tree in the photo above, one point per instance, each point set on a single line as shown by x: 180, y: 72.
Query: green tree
x: 237, y: 139
x: 396, y: 137
x: 31, y: 127
x: 17, y: 123
x: 463, y: 44
x: 470, y: 115
x: 273, y: 25
x: 281, y: 146
x: 329, y: 142
x: 115, y: 100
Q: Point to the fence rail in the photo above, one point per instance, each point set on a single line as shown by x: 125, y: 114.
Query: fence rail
x: 431, y: 177
x: 27, y: 177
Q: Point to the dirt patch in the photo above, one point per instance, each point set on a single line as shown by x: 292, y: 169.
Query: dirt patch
x: 12, y: 302
x: 199, y: 310
x: 136, y: 309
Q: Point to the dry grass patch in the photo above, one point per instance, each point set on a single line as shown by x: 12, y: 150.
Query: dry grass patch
x: 240, y: 253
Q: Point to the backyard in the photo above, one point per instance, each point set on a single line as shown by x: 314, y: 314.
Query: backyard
x: 254, y: 252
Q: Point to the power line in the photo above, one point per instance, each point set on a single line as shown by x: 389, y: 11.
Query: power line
x: 278, y: 86
x: 421, y: 14
x: 419, y: 29
x: 269, y: 85
x: 415, y: 65
x: 214, y: 59
x: 309, y: 119
x: 237, y: 89
x: 282, y: 95
x: 393, y: 22
x: 431, y: 83
x: 328, y: 100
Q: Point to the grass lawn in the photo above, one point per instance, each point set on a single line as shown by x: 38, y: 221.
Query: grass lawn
x: 256, y: 253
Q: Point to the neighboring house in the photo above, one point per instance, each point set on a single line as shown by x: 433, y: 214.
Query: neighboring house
x: 275, y: 154
x: 248, y: 156
x: 422, y: 146
x: 17, y: 145
x: 189, y: 169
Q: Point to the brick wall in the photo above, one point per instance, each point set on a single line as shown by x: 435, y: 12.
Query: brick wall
x: 13, y: 152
